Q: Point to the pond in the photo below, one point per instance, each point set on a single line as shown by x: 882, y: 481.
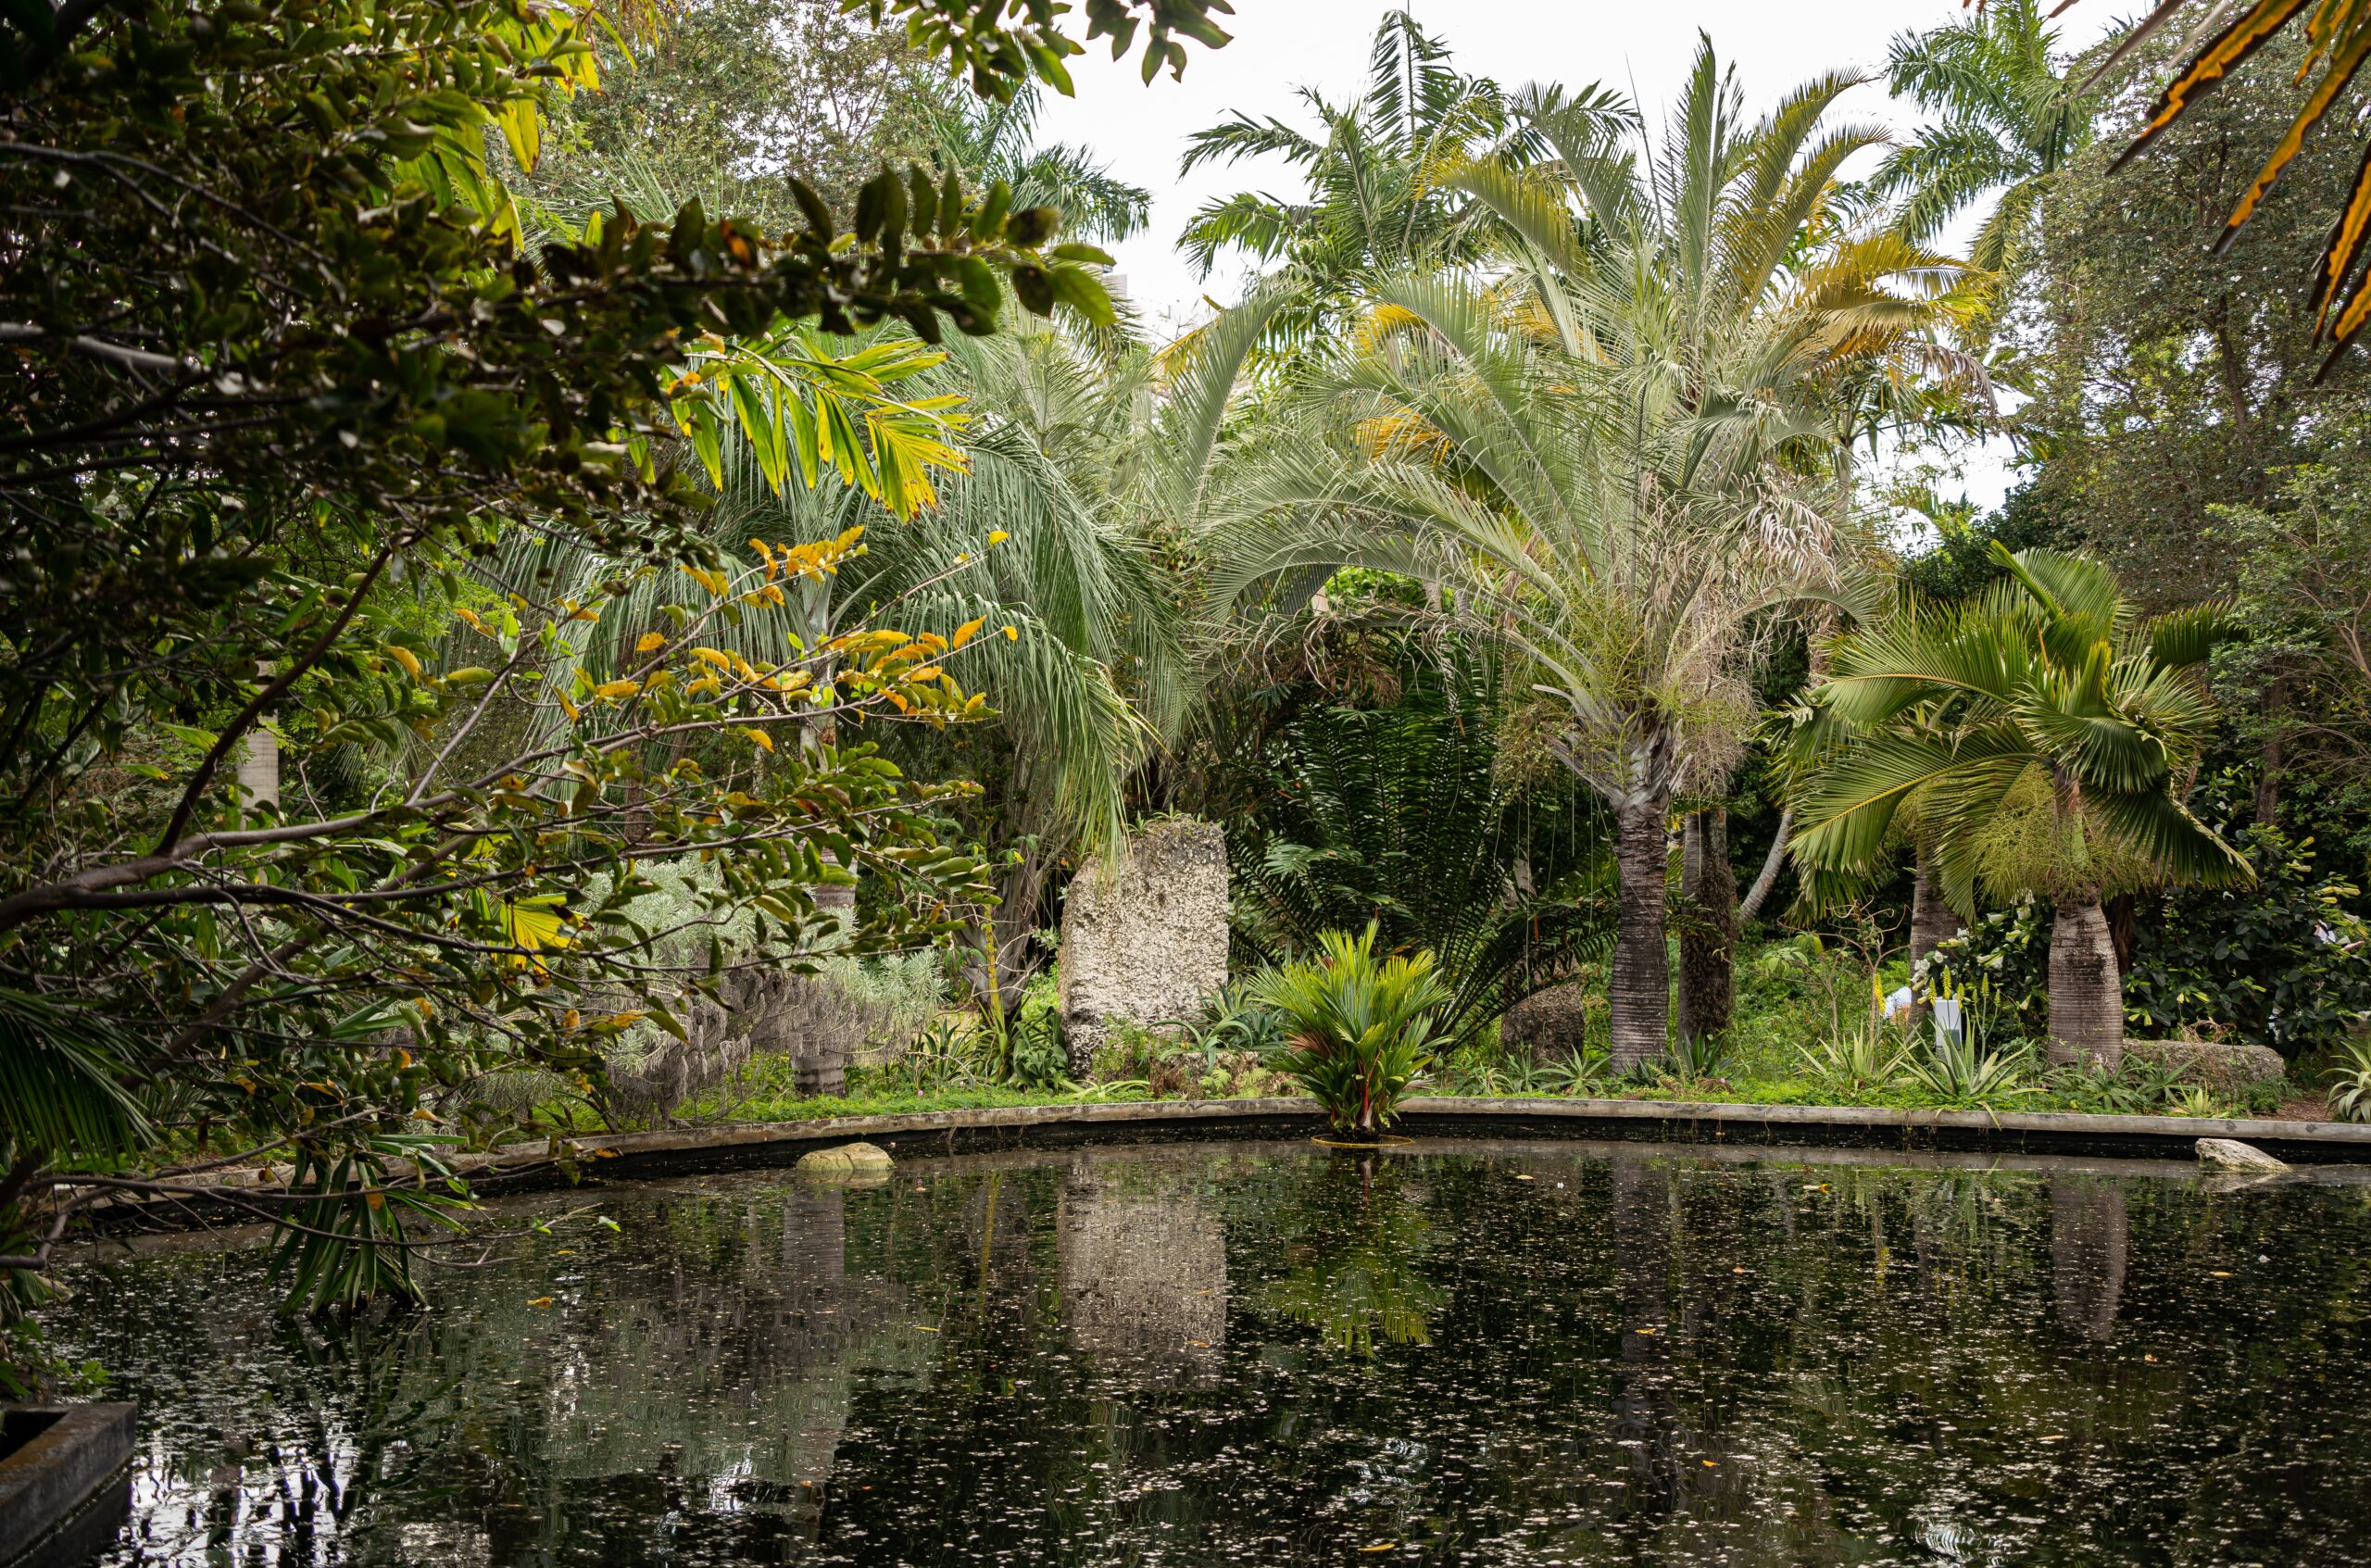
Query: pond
x: 1268, y: 1353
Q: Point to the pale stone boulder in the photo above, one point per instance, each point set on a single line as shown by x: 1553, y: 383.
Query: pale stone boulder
x: 1144, y: 939
x: 2224, y: 1066
x: 850, y: 1160
x: 1551, y: 1025
x: 2230, y: 1154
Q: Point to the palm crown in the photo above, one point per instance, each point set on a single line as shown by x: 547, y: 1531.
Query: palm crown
x: 2048, y: 677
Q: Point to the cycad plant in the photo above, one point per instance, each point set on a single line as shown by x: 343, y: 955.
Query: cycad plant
x: 1412, y: 817
x: 2046, y: 733
x: 1357, y: 1029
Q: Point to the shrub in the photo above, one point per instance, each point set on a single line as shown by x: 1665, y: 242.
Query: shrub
x: 2280, y: 962
x: 1356, y: 1031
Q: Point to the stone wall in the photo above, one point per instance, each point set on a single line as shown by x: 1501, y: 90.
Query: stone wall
x: 1143, y: 941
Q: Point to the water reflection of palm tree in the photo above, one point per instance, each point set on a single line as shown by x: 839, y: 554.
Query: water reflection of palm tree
x: 1644, y: 1422
x: 1356, y: 1278
x: 2089, y: 1235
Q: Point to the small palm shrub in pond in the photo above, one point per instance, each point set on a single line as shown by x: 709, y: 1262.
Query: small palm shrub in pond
x: 1356, y: 1030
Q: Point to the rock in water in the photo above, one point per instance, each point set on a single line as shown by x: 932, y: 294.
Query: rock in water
x: 2230, y: 1154
x: 847, y: 1159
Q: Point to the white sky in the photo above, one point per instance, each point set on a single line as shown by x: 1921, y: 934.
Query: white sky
x: 1642, y: 49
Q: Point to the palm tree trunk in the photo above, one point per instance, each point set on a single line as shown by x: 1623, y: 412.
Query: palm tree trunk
x: 1771, y: 864
x: 1707, y: 981
x: 2086, y: 990
x: 1931, y: 920
x: 1639, y: 988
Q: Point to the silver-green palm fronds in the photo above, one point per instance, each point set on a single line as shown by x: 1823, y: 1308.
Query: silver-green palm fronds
x: 1611, y: 454
x: 2045, y: 700
x: 2010, y: 117
x: 1564, y: 508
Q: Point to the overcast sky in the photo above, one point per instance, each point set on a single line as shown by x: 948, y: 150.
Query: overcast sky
x: 1642, y: 49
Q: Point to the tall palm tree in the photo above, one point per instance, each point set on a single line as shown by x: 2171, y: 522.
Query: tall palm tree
x: 2012, y: 117
x: 2044, y: 699
x: 1372, y: 199
x: 1609, y: 455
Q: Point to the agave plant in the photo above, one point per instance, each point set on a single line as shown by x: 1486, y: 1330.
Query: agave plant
x: 1855, y: 1058
x: 2350, y: 1081
x: 1356, y: 1031
x: 1957, y: 1071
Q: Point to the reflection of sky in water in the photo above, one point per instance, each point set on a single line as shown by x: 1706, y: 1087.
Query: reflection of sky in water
x: 1263, y: 1353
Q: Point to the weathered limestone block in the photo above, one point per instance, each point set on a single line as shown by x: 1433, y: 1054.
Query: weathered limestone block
x: 1551, y: 1024
x: 1144, y: 1274
x: 1143, y: 941
x: 2224, y: 1066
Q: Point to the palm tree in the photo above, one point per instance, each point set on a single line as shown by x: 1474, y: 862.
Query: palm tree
x: 2045, y: 732
x: 989, y: 141
x: 1608, y: 456
x: 2011, y: 120
x: 1030, y: 532
x: 1374, y: 202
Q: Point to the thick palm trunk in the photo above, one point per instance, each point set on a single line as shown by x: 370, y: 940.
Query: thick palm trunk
x: 1707, y: 983
x: 1639, y: 988
x: 2086, y: 989
x: 1931, y: 920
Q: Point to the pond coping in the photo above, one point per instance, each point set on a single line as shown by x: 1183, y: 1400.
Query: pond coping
x: 759, y: 1145
x: 65, y: 1485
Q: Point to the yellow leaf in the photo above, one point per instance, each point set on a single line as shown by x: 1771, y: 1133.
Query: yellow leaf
x: 608, y: 690
x: 965, y: 633
x: 465, y: 613
x: 650, y: 640
x: 765, y: 740
x: 721, y: 659
x: 571, y: 708
x: 1013, y: 633
x: 998, y: 536
x: 405, y: 657
x: 540, y: 1301
x: 714, y: 581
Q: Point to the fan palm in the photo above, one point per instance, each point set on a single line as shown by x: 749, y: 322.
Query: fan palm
x: 2046, y: 686
x: 1027, y: 535
x: 1607, y: 456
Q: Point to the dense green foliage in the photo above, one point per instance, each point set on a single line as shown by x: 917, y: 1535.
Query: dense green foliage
x: 287, y: 388
x: 505, y: 567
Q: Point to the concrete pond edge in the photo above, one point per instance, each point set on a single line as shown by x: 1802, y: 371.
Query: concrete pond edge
x: 64, y: 1487
x: 752, y: 1146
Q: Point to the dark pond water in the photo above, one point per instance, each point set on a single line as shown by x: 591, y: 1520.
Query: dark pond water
x: 1268, y: 1354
